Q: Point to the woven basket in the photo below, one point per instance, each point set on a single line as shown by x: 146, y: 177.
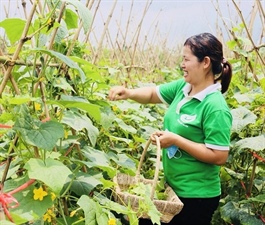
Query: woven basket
x: 168, y: 208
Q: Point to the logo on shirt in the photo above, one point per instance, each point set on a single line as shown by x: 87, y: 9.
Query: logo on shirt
x: 185, y: 118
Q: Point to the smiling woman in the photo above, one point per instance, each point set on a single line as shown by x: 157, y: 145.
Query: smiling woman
x: 191, y: 126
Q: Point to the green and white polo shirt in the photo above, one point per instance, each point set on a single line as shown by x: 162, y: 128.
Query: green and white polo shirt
x: 202, y: 118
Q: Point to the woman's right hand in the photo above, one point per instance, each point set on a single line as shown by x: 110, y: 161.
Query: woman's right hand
x: 118, y: 93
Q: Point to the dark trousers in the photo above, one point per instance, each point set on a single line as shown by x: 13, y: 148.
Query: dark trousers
x: 196, y: 211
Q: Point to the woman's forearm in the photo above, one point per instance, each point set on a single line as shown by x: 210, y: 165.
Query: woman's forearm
x: 142, y: 95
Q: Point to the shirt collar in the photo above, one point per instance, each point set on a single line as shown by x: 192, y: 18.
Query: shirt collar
x: 202, y: 94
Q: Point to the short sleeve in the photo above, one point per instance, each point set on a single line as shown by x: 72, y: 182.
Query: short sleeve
x: 217, y: 128
x: 167, y: 92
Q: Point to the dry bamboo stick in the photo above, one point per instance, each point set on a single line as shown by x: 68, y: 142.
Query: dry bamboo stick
x: 104, y: 33
x: 6, y: 60
x: 23, y: 39
x: 139, y: 29
x: 91, y: 29
x: 252, y: 17
x: 127, y: 25
x: 123, y: 47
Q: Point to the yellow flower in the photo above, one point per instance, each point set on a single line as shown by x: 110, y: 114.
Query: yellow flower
x: 39, y: 194
x: 72, y: 213
x: 48, y: 215
x: 112, y: 221
x: 37, y: 106
x: 53, y: 196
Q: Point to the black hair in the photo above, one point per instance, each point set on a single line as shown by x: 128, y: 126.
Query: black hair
x: 206, y: 44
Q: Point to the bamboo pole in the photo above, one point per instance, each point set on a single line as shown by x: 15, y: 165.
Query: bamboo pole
x: 139, y: 29
x: 104, y: 33
x: 23, y: 39
x: 91, y: 29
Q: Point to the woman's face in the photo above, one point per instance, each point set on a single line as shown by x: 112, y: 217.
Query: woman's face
x: 193, y: 70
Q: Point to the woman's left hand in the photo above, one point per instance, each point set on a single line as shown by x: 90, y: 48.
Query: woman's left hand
x: 166, y: 138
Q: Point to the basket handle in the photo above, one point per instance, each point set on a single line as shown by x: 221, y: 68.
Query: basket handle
x: 157, y: 164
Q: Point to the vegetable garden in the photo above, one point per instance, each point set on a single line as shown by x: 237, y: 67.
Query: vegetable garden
x: 61, y: 140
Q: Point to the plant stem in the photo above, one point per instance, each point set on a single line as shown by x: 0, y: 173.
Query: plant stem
x: 62, y: 212
x: 252, y: 177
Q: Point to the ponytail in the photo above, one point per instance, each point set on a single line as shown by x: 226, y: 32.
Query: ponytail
x: 225, y: 76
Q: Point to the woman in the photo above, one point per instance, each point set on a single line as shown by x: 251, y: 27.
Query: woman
x: 196, y: 127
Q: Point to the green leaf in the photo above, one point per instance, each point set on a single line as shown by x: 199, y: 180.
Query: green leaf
x: 6, y: 222
x: 43, y: 135
x: 13, y: 34
x: 78, y: 122
x: 84, y: 13
x: 124, y: 161
x: 19, y: 100
x: 101, y: 216
x: 259, y: 199
x: 241, y: 118
x: 127, y: 128
x: 231, y: 213
x: 254, y: 143
x: 64, y: 59
x: 231, y: 44
x: 91, y: 71
x: 89, y: 208
x: 234, y: 174
x: 63, y: 84
x: 107, y: 119
x: 241, y: 98
x: 51, y: 172
x: 61, y: 33
x: 84, y: 184
x: 73, y: 102
x: 71, y: 19
x: 30, y: 207
x: 97, y: 158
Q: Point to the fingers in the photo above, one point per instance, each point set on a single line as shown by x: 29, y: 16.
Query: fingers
x: 117, y: 93
x: 154, y: 135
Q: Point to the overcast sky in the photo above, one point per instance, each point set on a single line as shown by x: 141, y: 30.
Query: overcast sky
x: 176, y: 19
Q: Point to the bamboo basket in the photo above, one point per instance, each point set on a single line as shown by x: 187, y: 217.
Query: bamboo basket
x: 168, y: 208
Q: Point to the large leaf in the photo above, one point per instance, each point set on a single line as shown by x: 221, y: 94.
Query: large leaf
x: 96, y: 157
x: 253, y: 143
x: 51, y: 172
x: 78, y: 122
x: 84, y: 13
x: 94, y: 215
x: 6, y: 222
x: 28, y: 204
x: 43, y: 135
x: 71, y: 19
x: 126, y: 128
x: 13, y: 28
x: 241, y: 118
x: 89, y: 208
x: 92, y: 109
x: 64, y: 59
x: 231, y: 213
x: 84, y: 184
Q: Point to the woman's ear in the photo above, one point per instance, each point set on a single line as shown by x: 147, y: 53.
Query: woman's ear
x: 207, y: 62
